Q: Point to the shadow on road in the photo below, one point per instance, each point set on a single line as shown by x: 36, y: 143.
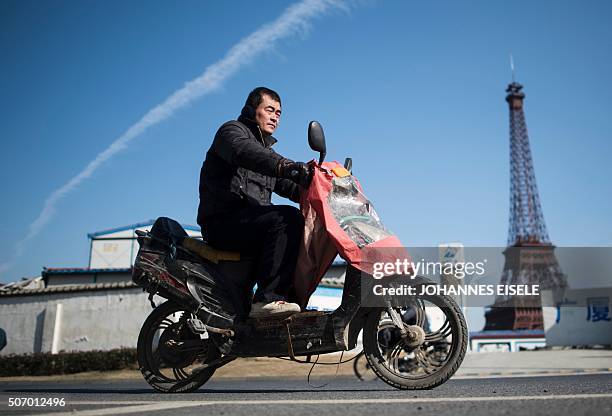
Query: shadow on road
x: 81, y: 390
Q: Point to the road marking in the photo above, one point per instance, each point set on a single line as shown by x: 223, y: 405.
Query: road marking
x: 102, y: 402
x: 472, y: 376
x: 152, y: 407
x: 134, y: 408
x: 414, y: 400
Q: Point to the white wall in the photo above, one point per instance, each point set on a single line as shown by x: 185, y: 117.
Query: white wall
x: 88, y: 320
x: 77, y: 321
x: 583, y: 318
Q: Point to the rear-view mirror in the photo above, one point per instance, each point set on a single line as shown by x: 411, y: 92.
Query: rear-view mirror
x: 316, y: 139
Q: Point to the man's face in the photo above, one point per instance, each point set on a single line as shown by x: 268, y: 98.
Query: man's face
x: 267, y: 115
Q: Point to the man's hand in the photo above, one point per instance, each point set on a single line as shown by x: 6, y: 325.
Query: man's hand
x: 298, y: 172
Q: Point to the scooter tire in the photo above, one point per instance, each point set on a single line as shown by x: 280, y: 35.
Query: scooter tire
x: 145, y: 356
x: 377, y: 360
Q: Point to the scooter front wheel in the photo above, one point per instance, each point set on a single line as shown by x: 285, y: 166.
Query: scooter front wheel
x: 431, y: 351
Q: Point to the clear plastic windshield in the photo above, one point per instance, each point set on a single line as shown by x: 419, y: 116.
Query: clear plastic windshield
x: 355, y: 213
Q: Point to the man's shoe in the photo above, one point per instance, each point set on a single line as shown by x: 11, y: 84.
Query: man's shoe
x: 279, y: 307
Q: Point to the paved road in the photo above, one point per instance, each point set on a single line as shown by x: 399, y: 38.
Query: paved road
x: 546, y: 395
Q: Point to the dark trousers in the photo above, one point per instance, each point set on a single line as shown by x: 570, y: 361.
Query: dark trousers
x: 272, y: 233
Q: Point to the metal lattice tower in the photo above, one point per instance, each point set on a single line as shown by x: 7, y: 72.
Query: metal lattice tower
x: 529, y: 257
x: 527, y: 225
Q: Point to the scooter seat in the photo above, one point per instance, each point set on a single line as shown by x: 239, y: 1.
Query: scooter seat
x: 208, y: 252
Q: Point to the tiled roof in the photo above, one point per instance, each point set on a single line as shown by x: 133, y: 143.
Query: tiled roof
x: 83, y: 270
x: 504, y: 334
x: 69, y: 288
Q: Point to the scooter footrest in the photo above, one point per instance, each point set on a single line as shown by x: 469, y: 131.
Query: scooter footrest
x: 284, y: 316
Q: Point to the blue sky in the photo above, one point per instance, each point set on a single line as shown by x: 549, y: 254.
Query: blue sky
x: 412, y: 91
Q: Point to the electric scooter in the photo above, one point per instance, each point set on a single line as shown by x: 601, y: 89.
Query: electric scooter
x: 204, y: 322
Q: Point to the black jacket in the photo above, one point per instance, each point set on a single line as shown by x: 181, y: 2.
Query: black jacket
x: 240, y: 171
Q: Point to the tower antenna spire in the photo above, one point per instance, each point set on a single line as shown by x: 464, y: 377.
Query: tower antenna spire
x: 512, y: 66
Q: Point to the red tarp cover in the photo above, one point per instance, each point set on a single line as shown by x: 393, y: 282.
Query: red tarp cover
x: 329, y: 201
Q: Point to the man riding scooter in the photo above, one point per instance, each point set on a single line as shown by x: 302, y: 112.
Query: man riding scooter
x: 237, y: 179
x: 201, y: 326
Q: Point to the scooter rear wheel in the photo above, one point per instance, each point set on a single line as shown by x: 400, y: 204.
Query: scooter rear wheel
x: 362, y: 368
x: 170, y: 354
x: 425, y: 361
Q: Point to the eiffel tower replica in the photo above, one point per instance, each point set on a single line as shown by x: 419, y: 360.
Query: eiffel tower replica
x: 529, y: 257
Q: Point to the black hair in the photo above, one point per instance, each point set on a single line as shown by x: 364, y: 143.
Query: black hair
x: 256, y: 96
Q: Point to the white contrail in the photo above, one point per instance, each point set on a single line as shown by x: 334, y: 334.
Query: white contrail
x: 295, y: 19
